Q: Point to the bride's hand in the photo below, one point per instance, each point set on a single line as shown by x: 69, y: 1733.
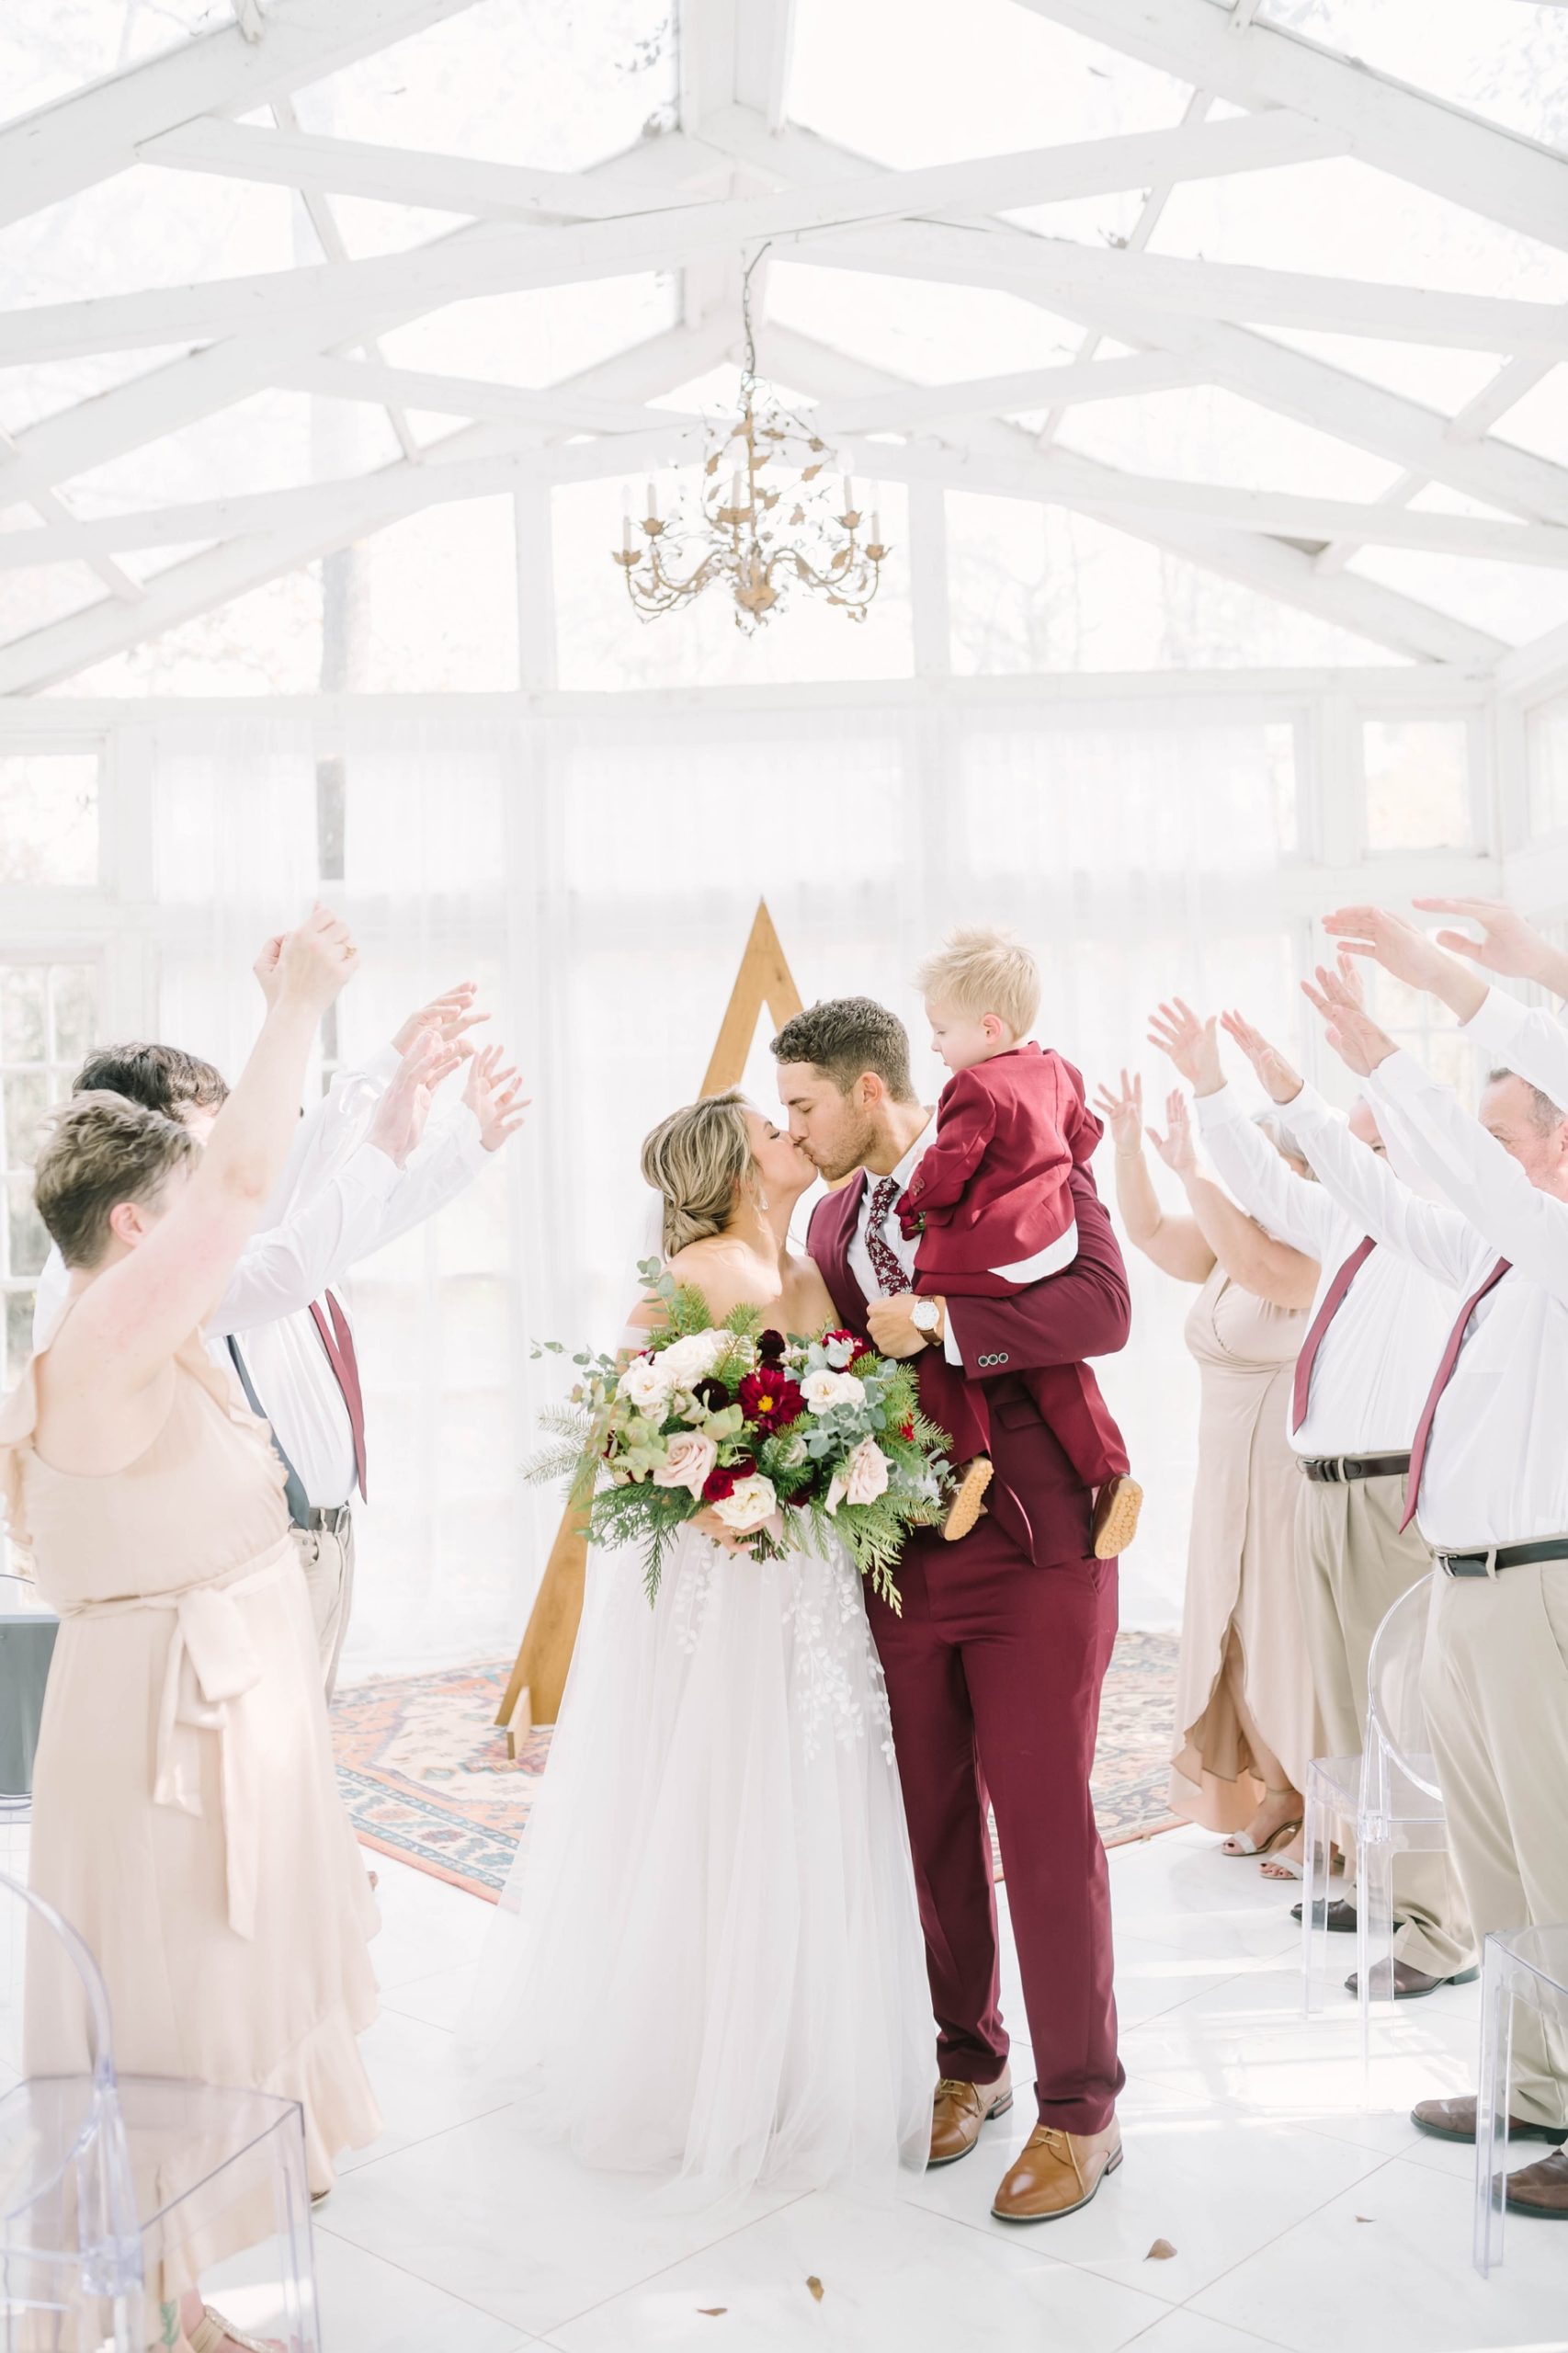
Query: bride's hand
x: 710, y: 1523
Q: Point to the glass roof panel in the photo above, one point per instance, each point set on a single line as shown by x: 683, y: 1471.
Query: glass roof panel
x: 1435, y: 374
x: 900, y: 81
x: 46, y: 592
x: 1540, y: 422
x: 1037, y: 588
x: 1341, y: 217
x: 43, y: 388
x: 1202, y: 433
x: 271, y: 441
x: 918, y: 328
x: 1515, y: 601
x: 1503, y: 58
x: 267, y: 642
x: 539, y: 337
x: 152, y: 228
x: 545, y: 83
x: 49, y: 48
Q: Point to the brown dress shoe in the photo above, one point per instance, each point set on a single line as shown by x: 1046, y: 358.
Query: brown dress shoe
x: 1541, y: 2188
x: 1454, y: 2120
x: 1409, y: 1982
x: 958, y: 2111
x: 1055, y: 2173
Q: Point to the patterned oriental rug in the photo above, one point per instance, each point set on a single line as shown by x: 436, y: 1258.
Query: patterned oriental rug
x: 425, y: 1775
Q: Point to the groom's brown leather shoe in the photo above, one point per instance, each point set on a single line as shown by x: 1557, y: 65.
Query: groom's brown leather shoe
x: 1055, y: 2173
x: 1454, y: 2120
x: 1541, y: 2188
x: 959, y: 2110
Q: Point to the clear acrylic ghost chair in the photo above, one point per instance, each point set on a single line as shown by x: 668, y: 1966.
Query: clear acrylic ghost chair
x: 1388, y: 1802
x: 116, y: 2192
x: 1529, y: 1965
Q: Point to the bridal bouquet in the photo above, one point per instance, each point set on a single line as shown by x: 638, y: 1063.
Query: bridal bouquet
x: 785, y: 1441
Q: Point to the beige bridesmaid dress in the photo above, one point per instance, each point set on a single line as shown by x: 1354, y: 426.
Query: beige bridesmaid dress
x: 187, y: 1818
x: 1241, y: 1579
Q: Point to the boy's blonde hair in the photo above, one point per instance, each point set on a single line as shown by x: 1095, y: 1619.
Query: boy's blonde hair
x: 978, y: 971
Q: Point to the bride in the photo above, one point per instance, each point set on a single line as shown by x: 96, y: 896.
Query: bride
x: 707, y: 1959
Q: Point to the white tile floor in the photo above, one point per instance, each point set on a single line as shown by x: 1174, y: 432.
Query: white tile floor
x: 1299, y: 2218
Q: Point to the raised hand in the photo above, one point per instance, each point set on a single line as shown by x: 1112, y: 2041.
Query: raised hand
x: 1278, y: 1081
x: 1406, y: 952
x: 317, y: 962
x: 1351, y: 1031
x: 1123, y: 1115
x: 267, y: 964
x: 450, y: 1015
x: 1507, y: 944
x: 1191, y: 1043
x: 1175, y: 1147
x: 494, y: 1096
x: 402, y: 1112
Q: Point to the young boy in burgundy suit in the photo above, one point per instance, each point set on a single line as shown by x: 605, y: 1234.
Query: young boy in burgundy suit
x: 991, y: 1204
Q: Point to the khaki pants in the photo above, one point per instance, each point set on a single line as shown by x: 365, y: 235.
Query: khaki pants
x: 328, y: 1563
x: 1352, y: 1565
x: 1495, y: 1686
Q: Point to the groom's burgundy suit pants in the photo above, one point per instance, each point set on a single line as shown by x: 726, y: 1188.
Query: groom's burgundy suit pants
x: 994, y: 1675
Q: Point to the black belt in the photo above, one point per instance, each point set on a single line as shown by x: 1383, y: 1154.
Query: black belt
x: 328, y: 1519
x: 1330, y: 1471
x: 1503, y: 1556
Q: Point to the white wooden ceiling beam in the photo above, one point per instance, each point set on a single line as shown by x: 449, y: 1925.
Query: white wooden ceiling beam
x: 1405, y: 131
x: 1384, y: 616
x: 764, y: 49
x: 178, y: 393
x: 1073, y: 382
x: 560, y: 409
x: 97, y: 131
x: 214, y: 578
x: 485, y: 190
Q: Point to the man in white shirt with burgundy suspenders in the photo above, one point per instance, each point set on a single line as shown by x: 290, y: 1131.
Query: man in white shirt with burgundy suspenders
x: 1488, y: 1474
x: 356, y: 1179
x: 1377, y: 1331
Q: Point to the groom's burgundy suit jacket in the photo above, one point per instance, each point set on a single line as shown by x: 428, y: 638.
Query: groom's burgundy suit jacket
x: 1037, y: 1497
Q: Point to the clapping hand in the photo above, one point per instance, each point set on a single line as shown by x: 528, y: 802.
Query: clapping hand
x: 1191, y: 1043
x: 404, y: 1109
x: 491, y: 1094
x: 1354, y: 1035
x: 1278, y: 1081
x: 1177, y: 1148
x: 450, y: 1015
x: 1123, y: 1115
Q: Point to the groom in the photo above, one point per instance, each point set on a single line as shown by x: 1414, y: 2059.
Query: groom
x: 993, y: 1670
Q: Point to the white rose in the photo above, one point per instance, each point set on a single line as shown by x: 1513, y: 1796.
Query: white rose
x: 692, y: 1358
x: 750, y: 1503
x: 688, y: 1463
x: 866, y: 1473
x: 645, y: 1384
x: 823, y: 1390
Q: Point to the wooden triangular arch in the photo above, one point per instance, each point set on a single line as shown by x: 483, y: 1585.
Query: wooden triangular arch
x: 538, y: 1673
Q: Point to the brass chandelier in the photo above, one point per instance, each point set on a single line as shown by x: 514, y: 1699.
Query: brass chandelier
x: 769, y: 522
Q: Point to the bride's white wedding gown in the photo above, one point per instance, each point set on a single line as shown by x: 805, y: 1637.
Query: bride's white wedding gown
x: 707, y: 1959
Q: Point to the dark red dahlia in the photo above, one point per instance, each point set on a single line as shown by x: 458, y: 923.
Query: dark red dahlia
x: 770, y: 1399
x: 770, y: 1348
x: 710, y: 1393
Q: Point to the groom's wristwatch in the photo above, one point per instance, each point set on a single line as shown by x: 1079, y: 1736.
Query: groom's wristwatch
x: 926, y: 1317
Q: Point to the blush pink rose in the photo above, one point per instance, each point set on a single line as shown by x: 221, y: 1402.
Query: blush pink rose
x: 688, y: 1463
x: 866, y: 1473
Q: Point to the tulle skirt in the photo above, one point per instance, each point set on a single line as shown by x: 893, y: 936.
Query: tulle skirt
x: 708, y: 1960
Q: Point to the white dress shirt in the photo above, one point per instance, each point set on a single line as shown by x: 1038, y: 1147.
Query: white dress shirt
x: 860, y: 1264
x: 1524, y: 1040
x: 1496, y: 1466
x: 1376, y: 1361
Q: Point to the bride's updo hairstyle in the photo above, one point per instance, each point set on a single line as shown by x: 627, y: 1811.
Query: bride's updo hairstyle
x: 699, y: 1161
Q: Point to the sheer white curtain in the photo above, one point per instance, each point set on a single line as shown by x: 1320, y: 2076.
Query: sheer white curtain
x: 596, y: 872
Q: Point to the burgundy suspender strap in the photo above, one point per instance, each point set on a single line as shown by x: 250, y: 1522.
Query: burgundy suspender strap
x: 338, y: 1342
x: 1445, y: 1372
x: 1333, y: 1300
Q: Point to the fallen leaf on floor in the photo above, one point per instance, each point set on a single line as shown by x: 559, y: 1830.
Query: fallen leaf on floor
x: 815, y: 2284
x: 1363, y: 2218
x: 1161, y: 2252
x: 712, y: 2312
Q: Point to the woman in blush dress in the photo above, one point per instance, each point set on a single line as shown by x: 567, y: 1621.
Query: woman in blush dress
x: 1245, y: 1719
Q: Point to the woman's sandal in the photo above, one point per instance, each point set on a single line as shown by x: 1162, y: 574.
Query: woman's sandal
x: 1243, y: 1844
x: 212, y: 2333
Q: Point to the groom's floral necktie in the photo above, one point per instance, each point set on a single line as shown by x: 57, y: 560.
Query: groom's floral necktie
x: 884, y: 1258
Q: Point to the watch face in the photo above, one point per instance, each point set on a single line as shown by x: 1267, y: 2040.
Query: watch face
x: 924, y: 1316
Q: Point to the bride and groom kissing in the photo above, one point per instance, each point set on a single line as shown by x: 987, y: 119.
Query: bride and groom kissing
x: 759, y: 1865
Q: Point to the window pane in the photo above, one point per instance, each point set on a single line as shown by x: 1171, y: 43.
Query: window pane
x: 1548, y: 765
x: 74, y: 1005
x: 26, y: 1240
x: 18, y: 1334
x: 49, y: 818
x: 22, y: 1027
x: 26, y: 1101
x: 1417, y: 774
